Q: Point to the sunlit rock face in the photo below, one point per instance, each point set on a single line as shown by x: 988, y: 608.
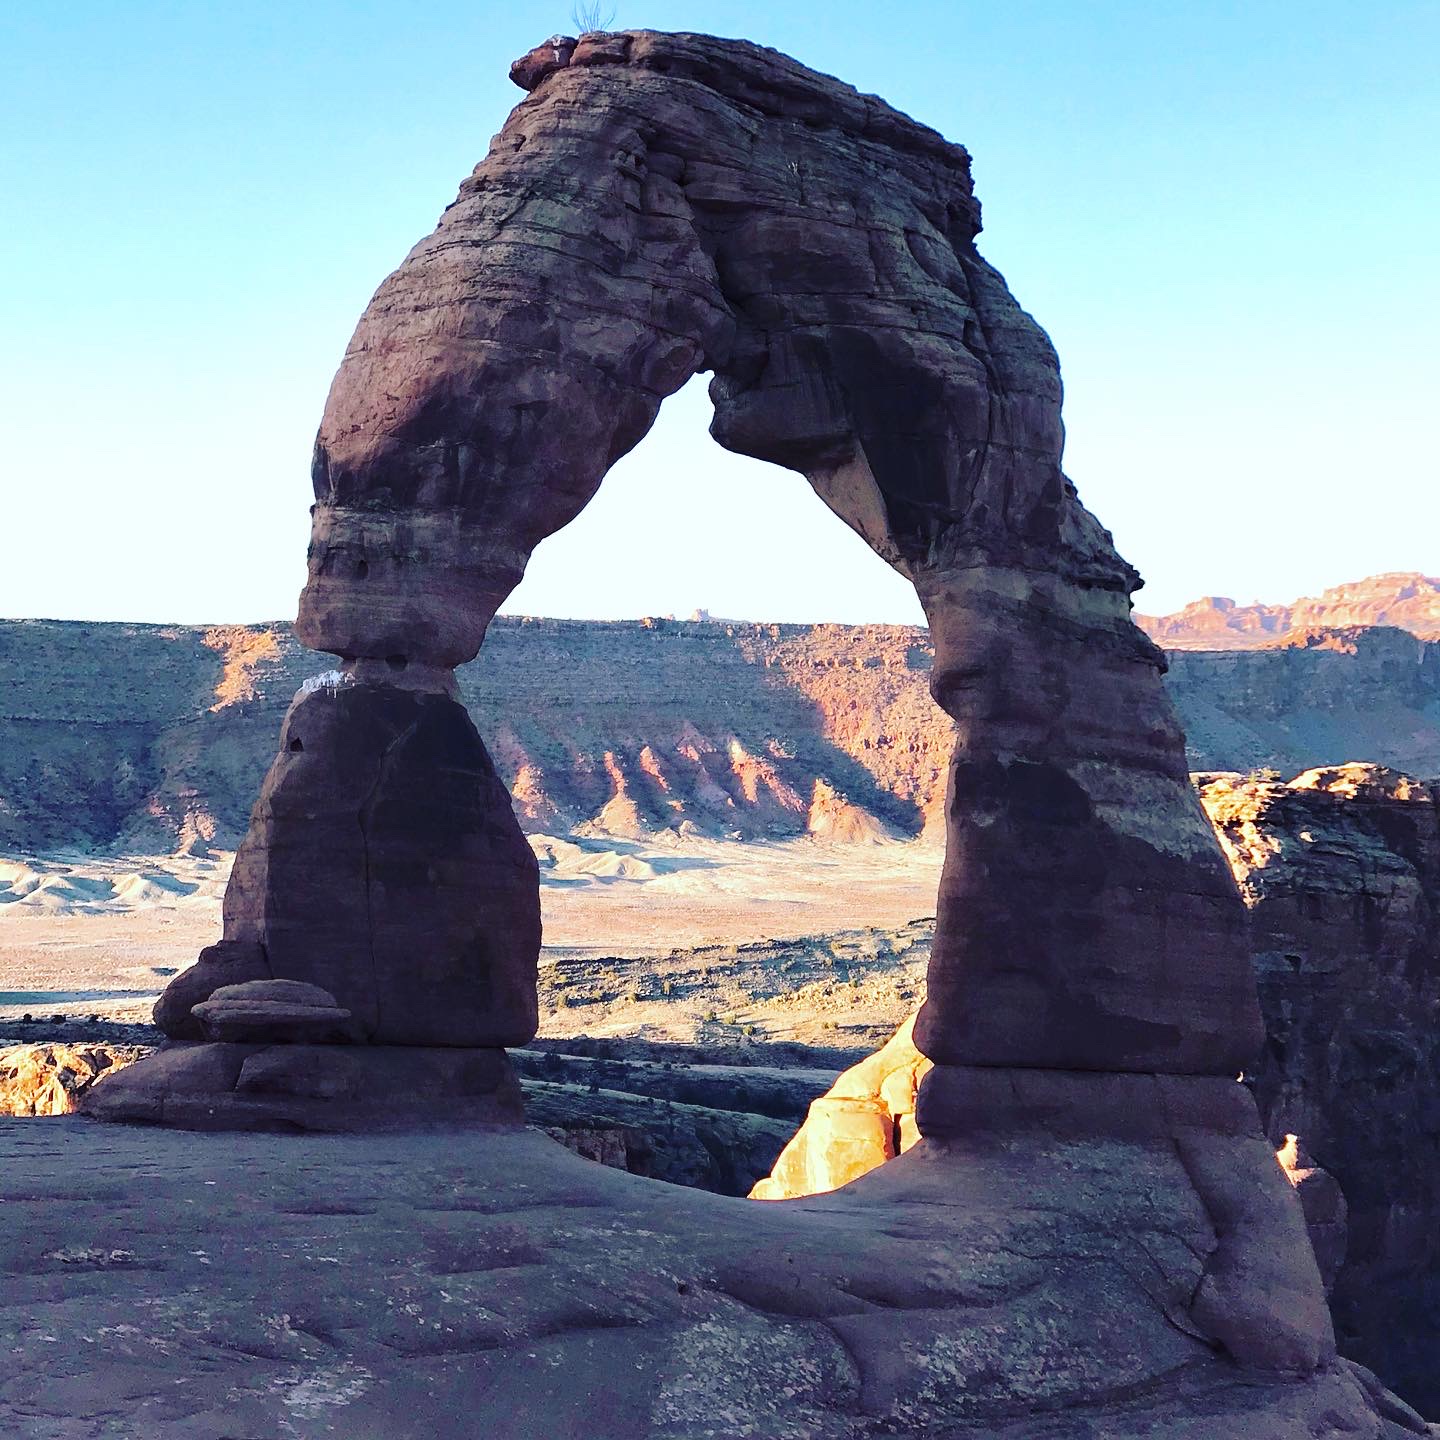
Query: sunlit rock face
x: 53, y: 1078
x: 865, y: 1118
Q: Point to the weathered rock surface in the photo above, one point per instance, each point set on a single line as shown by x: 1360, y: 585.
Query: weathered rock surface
x: 1326, y: 1213
x: 777, y: 1081
x: 669, y: 204
x: 442, y: 1286
x: 313, y: 1088
x: 146, y: 740
x: 267, y: 1011
x: 1405, y: 599
x: 868, y: 1117
x: 714, y: 1127
x: 1341, y: 868
x: 815, y: 249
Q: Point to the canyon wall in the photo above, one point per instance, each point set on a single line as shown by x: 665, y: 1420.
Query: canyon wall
x: 1340, y: 869
x: 150, y: 737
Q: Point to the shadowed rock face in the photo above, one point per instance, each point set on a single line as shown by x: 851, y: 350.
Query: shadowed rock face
x: 1342, y: 869
x: 383, y: 863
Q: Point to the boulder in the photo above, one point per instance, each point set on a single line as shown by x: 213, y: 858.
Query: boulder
x: 272, y: 1010
x: 866, y: 1118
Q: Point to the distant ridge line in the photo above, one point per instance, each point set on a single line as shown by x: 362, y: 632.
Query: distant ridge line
x: 1403, y: 599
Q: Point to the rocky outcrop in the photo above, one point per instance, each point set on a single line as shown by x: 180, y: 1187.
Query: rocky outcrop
x: 705, y: 1147
x: 1341, y: 869
x: 393, y: 795
x: 864, y: 1119
x: 492, y: 1283
x: 1406, y: 600
x: 282, y: 1084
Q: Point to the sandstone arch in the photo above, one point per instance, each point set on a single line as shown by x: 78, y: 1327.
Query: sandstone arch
x: 662, y: 205
x: 654, y: 210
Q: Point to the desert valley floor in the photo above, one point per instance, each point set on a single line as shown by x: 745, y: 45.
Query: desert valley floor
x: 82, y: 936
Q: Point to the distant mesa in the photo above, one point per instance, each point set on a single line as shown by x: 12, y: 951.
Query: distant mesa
x: 1404, y: 599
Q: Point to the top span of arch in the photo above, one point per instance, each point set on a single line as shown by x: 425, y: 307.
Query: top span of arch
x: 767, y: 81
x: 661, y: 205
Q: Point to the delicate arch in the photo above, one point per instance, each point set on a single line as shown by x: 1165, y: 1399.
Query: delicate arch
x: 662, y: 205
x: 647, y: 213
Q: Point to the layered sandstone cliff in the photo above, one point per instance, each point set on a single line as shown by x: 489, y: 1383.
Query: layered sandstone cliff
x: 152, y: 737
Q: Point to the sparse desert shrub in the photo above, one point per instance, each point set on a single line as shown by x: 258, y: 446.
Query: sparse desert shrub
x: 592, y: 16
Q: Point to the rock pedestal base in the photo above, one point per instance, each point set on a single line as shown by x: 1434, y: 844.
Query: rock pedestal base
x: 1259, y: 1295
x: 318, y: 1088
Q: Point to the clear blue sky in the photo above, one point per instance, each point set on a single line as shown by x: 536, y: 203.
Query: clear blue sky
x: 1224, y: 213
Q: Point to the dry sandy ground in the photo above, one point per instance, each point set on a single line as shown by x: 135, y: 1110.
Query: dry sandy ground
x: 85, y: 935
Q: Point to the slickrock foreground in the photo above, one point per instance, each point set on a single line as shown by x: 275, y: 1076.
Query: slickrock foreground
x: 443, y: 1287
x: 1092, y: 1211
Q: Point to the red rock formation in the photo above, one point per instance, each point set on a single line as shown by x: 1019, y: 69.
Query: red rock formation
x: 52, y: 1078
x: 816, y: 251
x: 123, y: 721
x: 864, y: 1119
